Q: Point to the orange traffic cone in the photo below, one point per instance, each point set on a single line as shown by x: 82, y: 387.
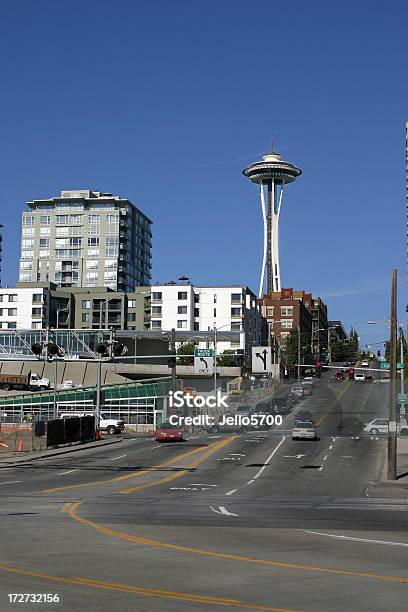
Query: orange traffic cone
x: 20, y: 446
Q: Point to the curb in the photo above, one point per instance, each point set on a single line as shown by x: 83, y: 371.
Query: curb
x: 62, y: 451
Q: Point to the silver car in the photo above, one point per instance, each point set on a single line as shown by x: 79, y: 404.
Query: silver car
x: 304, y: 430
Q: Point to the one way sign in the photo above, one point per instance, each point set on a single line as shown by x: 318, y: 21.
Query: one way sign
x: 261, y: 359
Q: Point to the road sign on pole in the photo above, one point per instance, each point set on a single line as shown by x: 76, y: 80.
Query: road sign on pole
x: 261, y: 359
x: 204, y: 361
x: 402, y: 398
x: 386, y: 366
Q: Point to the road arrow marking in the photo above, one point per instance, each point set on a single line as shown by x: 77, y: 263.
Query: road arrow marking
x: 293, y: 456
x: 223, y: 510
x: 343, y: 537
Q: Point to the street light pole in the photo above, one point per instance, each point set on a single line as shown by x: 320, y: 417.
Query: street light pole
x: 392, y: 408
x: 173, y: 352
x: 215, y: 361
x: 298, y: 368
x: 54, y: 408
x: 402, y: 369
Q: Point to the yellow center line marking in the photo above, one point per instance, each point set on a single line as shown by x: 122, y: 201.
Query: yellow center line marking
x: 72, y: 512
x: 154, y: 468
x: 210, y: 451
x: 144, y: 591
x: 334, y: 402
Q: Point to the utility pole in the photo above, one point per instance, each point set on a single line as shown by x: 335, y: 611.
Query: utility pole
x: 298, y: 359
x: 402, y: 390
x: 392, y: 407
x: 215, y: 361
x: 173, y: 352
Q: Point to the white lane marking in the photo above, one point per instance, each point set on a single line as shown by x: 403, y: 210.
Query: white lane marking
x: 250, y: 481
x: 158, y: 446
x: 293, y: 456
x: 321, y: 467
x: 69, y: 472
x: 348, y: 456
x: 237, y: 455
x: 330, y: 447
x: 269, y: 458
x: 9, y: 482
x: 202, y: 484
x: 324, y: 458
x: 343, y: 537
x: 231, y: 492
x: 120, y: 457
x: 223, y: 510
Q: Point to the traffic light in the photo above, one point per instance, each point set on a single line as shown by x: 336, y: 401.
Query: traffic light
x: 103, y: 349
x: 55, y: 351
x: 37, y: 349
x: 119, y: 349
x: 378, y: 353
x: 318, y: 369
x: 172, y: 361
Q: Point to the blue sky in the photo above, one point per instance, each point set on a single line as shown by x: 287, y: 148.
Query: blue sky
x: 166, y: 102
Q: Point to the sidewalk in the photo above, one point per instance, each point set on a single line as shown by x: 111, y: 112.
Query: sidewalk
x: 15, y: 457
x: 397, y: 489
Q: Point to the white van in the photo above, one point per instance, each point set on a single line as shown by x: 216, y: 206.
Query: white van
x: 111, y: 426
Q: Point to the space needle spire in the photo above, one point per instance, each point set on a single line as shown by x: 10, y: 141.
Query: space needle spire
x: 271, y: 174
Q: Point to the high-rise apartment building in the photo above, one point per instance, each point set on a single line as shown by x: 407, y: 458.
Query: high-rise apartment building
x: 1, y: 249
x: 86, y: 239
x: 406, y: 176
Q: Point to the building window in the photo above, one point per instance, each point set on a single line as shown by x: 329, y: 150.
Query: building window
x: 28, y: 231
x: 37, y: 298
x: 86, y: 317
x: 92, y: 264
x: 215, y: 298
x: 86, y: 304
x: 13, y: 297
x: 94, y: 219
x: 286, y: 311
x: 27, y: 254
x: 133, y: 304
x: 93, y: 252
x: 45, y: 219
x: 157, y: 295
x: 235, y: 312
x: 236, y: 297
x: 182, y: 295
x: 93, y: 242
x: 235, y: 326
x: 215, y: 312
x: 156, y: 324
x: 62, y: 219
x: 75, y: 242
x: 36, y: 312
x: 112, y: 240
x: 27, y: 243
x: 45, y: 231
x: 28, y: 220
x: 156, y: 310
x: 25, y: 277
x: 287, y: 324
x: 112, y: 218
x: 181, y: 309
x: 44, y: 243
x: 181, y: 324
x: 36, y: 325
x: 12, y: 312
x: 269, y: 311
x: 131, y: 316
x: 11, y: 325
x: 111, y: 252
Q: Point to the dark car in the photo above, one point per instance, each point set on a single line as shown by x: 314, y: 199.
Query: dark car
x: 369, y: 378
x: 339, y: 376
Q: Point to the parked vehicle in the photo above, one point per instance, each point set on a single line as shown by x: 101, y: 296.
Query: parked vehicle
x: 25, y: 382
x: 359, y: 377
x: 111, y: 426
x: 166, y: 432
x: 365, y: 363
x: 339, y: 376
x: 308, y: 380
x: 382, y: 380
x: 297, y: 390
x: 304, y: 430
x: 369, y: 379
x: 380, y: 426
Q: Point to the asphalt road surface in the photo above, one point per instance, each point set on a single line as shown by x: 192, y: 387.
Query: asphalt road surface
x: 253, y: 521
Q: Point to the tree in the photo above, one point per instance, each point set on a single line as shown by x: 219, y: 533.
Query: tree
x: 290, y: 348
x: 186, y: 349
x: 228, y: 360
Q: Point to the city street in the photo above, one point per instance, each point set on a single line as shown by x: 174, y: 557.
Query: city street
x: 214, y: 522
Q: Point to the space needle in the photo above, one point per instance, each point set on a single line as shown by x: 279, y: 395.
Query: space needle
x: 272, y: 172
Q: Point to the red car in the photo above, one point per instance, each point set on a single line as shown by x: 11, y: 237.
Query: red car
x: 166, y: 432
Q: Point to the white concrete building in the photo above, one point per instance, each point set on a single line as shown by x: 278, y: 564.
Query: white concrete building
x: 189, y: 308
x: 23, y: 308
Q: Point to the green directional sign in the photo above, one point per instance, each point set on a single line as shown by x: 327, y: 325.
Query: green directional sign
x: 203, y: 352
x: 402, y: 398
x: 386, y: 366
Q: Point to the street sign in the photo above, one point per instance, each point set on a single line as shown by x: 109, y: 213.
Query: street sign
x: 402, y: 398
x: 386, y: 366
x: 204, y: 361
x: 261, y: 359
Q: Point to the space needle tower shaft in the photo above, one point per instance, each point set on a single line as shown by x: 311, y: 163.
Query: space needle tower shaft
x: 271, y: 174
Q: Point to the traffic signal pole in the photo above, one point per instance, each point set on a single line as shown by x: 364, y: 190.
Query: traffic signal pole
x: 392, y: 406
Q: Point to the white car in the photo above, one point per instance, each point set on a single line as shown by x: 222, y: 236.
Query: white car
x: 304, y: 430
x: 380, y: 426
x: 308, y: 380
x: 382, y: 380
x: 67, y: 384
x: 358, y: 377
x: 365, y: 364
